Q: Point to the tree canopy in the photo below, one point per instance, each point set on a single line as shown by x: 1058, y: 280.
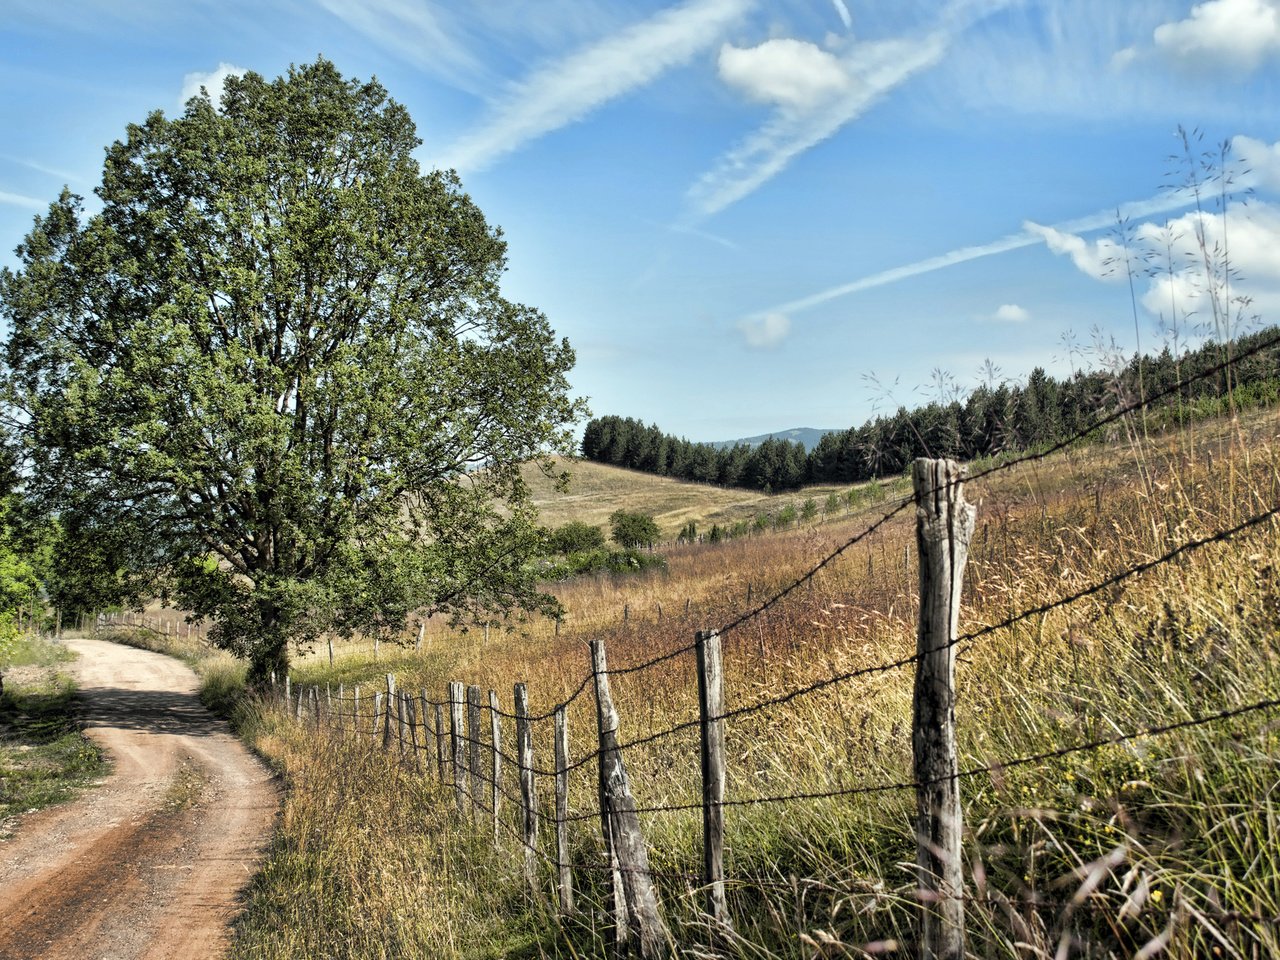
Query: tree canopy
x: 276, y: 377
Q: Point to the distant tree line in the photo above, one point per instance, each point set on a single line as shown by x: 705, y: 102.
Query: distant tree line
x: 992, y: 419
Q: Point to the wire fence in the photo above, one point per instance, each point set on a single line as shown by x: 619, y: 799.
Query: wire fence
x: 458, y: 736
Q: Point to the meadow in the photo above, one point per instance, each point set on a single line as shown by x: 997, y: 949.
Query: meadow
x: 1161, y: 844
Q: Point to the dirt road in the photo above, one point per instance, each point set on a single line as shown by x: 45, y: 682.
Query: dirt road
x: 151, y: 863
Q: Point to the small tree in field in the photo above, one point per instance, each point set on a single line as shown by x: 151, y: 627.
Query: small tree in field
x: 275, y: 375
x: 633, y: 529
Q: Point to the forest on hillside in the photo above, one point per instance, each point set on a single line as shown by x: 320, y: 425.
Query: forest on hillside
x: 992, y: 419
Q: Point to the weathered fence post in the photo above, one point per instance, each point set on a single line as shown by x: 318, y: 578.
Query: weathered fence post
x: 422, y: 631
x: 562, y: 812
x: 411, y: 712
x: 528, y: 799
x: 288, y: 692
x: 386, y: 719
x: 622, y: 826
x: 442, y: 744
x: 377, y: 715
x: 710, y: 707
x: 495, y: 754
x: 402, y: 712
x: 474, y: 741
x: 428, y: 731
x: 456, y: 695
x: 944, y: 527
x: 331, y: 652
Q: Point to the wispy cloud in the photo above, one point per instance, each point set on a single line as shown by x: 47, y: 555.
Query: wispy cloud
x: 411, y: 29
x: 18, y: 200
x: 1030, y: 235
x: 57, y: 174
x: 843, y: 13
x: 868, y: 72
x: 814, y: 93
x: 568, y: 89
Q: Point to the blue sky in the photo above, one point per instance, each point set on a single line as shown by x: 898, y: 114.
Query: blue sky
x: 740, y: 211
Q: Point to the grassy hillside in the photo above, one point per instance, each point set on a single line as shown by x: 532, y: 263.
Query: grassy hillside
x: 595, y: 491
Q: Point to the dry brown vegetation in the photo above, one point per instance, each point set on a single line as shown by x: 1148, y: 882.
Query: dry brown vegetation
x: 1164, y: 843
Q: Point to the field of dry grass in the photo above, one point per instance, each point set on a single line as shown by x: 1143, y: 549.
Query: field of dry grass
x: 596, y: 490
x: 1155, y: 845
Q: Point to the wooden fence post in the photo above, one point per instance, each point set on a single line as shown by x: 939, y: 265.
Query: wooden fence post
x: 386, y: 719
x: 402, y: 712
x: 331, y: 652
x: 456, y: 695
x: 411, y: 712
x: 944, y: 527
x: 562, y: 812
x: 422, y: 632
x: 475, y: 767
x: 622, y: 826
x: 428, y: 731
x: 528, y: 799
x: 495, y: 754
x: 442, y: 745
x: 377, y: 715
x: 710, y: 707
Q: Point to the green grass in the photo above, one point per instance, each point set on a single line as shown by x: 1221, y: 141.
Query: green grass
x: 44, y: 758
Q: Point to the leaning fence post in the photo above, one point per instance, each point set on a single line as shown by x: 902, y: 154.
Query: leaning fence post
x: 622, y: 833
x: 711, y: 706
x: 456, y: 701
x: 377, y: 715
x: 944, y: 527
x: 386, y: 719
x: 528, y: 800
x: 562, y: 812
x: 495, y: 753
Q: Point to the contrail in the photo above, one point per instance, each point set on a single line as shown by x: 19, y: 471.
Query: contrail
x: 1161, y: 203
x: 844, y: 13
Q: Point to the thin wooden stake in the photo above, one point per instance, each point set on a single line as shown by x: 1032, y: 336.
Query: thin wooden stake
x: 422, y: 631
x: 944, y: 528
x: 377, y: 714
x: 711, y: 707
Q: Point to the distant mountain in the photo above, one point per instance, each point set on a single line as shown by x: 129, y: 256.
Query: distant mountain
x: 807, y: 437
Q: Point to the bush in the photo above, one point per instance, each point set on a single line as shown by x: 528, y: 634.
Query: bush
x: 575, y: 537
x: 631, y: 530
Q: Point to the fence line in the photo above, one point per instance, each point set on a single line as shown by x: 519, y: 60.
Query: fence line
x: 635, y: 909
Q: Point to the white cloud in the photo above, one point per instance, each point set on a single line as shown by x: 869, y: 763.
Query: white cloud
x: 785, y: 72
x: 1261, y: 159
x: 1101, y: 259
x: 18, y: 200
x: 766, y: 331
x: 213, y: 82
x: 567, y: 90
x: 1223, y: 33
x: 872, y: 69
x: 1011, y: 313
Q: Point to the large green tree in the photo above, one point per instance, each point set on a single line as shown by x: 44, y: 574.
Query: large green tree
x: 275, y: 374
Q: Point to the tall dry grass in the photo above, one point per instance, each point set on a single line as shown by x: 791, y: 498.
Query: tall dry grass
x: 1159, y: 845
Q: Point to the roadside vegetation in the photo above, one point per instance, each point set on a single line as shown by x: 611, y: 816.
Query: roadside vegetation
x: 44, y: 758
